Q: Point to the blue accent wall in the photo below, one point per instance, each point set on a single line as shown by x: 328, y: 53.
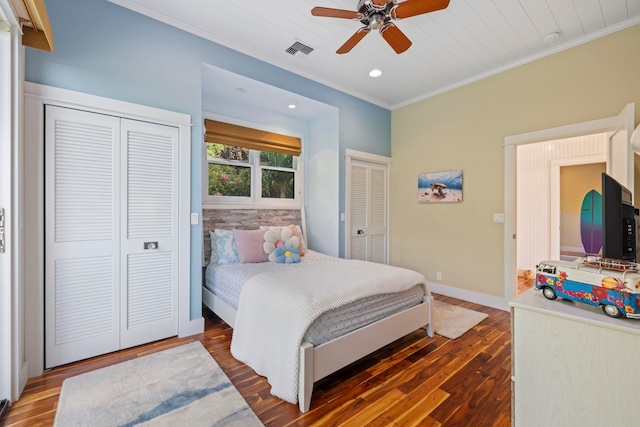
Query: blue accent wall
x: 106, y: 50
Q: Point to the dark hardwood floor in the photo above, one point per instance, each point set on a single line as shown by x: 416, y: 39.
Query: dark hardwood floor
x: 414, y: 381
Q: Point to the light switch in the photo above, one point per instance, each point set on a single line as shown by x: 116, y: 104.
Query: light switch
x: 194, y: 218
x: 498, y: 217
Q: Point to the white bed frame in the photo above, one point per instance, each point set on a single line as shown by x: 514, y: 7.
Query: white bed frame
x: 318, y: 362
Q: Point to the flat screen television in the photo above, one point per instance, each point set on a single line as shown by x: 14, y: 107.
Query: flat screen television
x: 618, y: 221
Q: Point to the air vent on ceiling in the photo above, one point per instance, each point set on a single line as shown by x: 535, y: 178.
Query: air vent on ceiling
x: 299, y: 47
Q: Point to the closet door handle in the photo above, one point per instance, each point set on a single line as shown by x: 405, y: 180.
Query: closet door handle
x: 150, y: 245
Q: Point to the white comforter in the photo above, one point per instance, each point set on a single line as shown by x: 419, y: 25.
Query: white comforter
x: 276, y: 309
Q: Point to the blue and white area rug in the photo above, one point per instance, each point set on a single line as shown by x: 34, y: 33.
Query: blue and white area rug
x: 182, y: 386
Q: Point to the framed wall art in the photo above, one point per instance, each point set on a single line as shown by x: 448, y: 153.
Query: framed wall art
x: 439, y: 187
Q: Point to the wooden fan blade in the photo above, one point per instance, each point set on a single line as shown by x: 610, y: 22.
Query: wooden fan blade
x: 396, y: 38
x: 335, y: 13
x: 417, y: 7
x: 353, y: 40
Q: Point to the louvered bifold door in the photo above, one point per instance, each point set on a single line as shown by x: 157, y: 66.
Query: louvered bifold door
x: 358, y: 207
x: 149, y: 232
x: 368, y: 212
x: 378, y: 214
x: 81, y: 235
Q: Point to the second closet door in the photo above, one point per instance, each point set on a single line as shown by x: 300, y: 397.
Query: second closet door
x: 368, y: 212
x: 149, y: 212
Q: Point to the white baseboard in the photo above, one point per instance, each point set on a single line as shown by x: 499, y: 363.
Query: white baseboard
x: 482, y: 299
x: 195, y: 326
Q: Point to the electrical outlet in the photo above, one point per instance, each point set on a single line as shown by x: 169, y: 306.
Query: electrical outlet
x: 438, y: 276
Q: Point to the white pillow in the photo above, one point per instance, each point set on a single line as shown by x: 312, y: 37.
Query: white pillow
x: 302, y: 248
x: 226, y: 252
x: 276, y: 236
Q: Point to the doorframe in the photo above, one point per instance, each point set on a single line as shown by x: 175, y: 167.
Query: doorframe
x: 376, y: 159
x: 35, y: 98
x: 554, y: 238
x: 13, y: 368
x: 605, y: 125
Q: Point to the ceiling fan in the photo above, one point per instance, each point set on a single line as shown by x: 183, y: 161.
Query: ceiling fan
x: 378, y: 15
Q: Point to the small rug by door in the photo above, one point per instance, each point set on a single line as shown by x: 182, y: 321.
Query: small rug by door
x: 452, y: 321
x: 182, y: 386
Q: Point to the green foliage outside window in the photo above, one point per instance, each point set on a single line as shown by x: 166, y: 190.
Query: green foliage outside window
x: 235, y: 179
x: 277, y: 184
x: 229, y: 180
x: 267, y: 158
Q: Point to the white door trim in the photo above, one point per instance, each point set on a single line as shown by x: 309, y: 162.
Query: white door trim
x: 609, y: 124
x: 362, y: 156
x: 36, y: 96
x: 13, y: 365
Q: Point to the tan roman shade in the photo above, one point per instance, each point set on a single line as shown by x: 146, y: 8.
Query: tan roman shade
x: 253, y: 139
x: 36, y: 28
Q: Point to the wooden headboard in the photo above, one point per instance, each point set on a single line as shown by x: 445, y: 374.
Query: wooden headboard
x: 244, y: 219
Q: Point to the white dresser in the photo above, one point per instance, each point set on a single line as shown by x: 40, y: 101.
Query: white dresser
x: 572, y: 365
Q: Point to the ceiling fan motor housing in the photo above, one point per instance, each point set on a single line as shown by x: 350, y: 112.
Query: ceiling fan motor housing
x: 375, y: 16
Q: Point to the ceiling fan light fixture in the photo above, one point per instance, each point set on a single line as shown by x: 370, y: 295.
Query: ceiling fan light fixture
x: 375, y: 73
x: 378, y: 15
x: 551, y: 37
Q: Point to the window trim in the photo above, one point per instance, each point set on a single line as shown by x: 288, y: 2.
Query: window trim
x: 256, y: 201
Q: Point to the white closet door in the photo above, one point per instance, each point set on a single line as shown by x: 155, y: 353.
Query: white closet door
x: 81, y: 235
x: 378, y: 214
x: 358, y: 209
x: 149, y: 231
x: 368, y: 212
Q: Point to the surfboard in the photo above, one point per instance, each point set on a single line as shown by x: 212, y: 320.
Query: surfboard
x: 591, y: 222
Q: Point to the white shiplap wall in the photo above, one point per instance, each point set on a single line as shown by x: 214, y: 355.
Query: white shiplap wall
x: 533, y: 184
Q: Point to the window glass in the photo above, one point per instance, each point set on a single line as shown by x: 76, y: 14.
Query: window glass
x: 232, y: 171
x: 276, y: 159
x: 228, y: 180
x: 227, y: 152
x: 277, y: 184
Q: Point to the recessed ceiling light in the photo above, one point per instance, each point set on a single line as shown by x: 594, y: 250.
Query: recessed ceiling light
x: 375, y: 73
x: 241, y: 91
x: 292, y: 106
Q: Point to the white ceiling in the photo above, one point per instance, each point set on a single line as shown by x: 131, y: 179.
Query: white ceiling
x: 469, y: 40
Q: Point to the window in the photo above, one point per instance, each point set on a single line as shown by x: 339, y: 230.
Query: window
x: 249, y: 166
x: 278, y: 175
x: 229, y: 171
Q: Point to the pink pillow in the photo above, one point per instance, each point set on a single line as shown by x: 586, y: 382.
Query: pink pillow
x: 249, y: 245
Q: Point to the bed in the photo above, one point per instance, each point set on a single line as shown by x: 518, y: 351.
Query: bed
x: 334, y: 325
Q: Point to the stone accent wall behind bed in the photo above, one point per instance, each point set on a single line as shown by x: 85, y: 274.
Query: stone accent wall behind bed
x: 244, y: 219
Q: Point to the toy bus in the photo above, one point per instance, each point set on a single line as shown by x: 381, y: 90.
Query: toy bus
x: 612, y: 284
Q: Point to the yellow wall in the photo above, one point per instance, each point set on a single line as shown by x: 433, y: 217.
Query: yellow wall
x: 465, y: 129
